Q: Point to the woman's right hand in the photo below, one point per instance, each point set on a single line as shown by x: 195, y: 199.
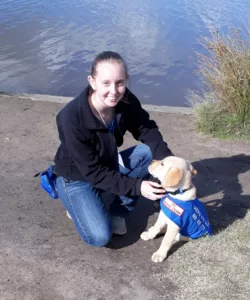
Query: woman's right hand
x: 152, y: 190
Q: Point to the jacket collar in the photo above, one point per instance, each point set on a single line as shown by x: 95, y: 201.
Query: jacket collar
x: 86, y: 116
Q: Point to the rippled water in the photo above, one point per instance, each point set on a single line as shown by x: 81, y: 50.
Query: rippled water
x: 47, y: 46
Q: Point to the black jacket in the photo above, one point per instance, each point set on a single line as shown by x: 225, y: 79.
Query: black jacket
x: 88, y: 151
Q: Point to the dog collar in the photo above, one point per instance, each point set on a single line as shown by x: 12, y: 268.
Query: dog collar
x: 176, y: 192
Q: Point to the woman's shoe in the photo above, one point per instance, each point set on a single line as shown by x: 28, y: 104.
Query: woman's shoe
x: 69, y: 216
x: 118, y: 225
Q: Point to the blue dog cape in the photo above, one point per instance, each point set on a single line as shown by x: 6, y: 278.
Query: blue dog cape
x: 190, y: 216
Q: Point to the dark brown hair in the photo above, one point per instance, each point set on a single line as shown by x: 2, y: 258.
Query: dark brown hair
x: 108, y: 56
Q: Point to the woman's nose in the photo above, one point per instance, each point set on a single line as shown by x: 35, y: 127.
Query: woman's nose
x: 113, y: 88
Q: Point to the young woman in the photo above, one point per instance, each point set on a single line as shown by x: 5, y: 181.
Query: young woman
x: 87, y: 163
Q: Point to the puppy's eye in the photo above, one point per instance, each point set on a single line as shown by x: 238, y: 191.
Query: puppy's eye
x: 162, y: 164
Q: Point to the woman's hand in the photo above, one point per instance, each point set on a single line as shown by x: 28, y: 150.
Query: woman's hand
x: 152, y: 190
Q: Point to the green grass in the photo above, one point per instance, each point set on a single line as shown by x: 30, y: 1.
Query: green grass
x: 223, y: 109
x: 213, y: 120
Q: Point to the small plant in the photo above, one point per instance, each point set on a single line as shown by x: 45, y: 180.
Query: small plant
x: 223, y: 109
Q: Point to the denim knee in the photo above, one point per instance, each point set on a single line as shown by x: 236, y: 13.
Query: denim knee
x: 146, y: 158
x: 98, y: 238
x: 101, y: 241
x: 145, y: 152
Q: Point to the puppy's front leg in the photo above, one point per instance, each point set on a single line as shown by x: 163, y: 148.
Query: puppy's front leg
x: 152, y: 232
x: 166, y: 243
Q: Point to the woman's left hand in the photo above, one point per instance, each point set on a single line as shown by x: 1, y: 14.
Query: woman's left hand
x: 152, y: 190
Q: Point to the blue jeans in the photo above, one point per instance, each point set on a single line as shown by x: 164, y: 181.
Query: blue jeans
x: 85, y: 203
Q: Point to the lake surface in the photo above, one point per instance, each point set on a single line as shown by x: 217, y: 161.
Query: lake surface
x: 47, y: 46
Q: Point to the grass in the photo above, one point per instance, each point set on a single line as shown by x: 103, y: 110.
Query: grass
x: 223, y: 108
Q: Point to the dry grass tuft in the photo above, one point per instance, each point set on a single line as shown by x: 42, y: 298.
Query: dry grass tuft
x: 223, y: 109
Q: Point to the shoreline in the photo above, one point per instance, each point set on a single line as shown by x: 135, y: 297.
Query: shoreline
x: 42, y: 254
x: 64, y: 100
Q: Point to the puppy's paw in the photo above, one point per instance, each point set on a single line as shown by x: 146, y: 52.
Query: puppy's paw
x: 150, y: 234
x: 145, y: 236
x: 158, y: 257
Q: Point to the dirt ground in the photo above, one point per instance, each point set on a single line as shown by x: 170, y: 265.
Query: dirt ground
x: 42, y: 257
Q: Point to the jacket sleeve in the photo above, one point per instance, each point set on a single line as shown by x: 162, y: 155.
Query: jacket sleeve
x: 145, y: 130
x: 87, y: 161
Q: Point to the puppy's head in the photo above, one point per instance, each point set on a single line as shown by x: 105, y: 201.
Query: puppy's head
x: 173, y: 172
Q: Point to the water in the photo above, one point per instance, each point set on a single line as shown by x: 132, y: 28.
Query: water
x: 47, y: 46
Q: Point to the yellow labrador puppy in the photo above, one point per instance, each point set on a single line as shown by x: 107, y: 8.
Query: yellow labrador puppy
x: 183, y: 214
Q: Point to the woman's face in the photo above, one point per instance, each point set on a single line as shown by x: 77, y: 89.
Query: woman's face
x: 109, y: 84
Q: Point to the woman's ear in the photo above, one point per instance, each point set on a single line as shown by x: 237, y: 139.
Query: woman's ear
x: 91, y: 82
x: 172, y: 178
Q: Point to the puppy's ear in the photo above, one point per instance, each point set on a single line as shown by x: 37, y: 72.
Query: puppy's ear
x: 172, y: 178
x: 193, y: 171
